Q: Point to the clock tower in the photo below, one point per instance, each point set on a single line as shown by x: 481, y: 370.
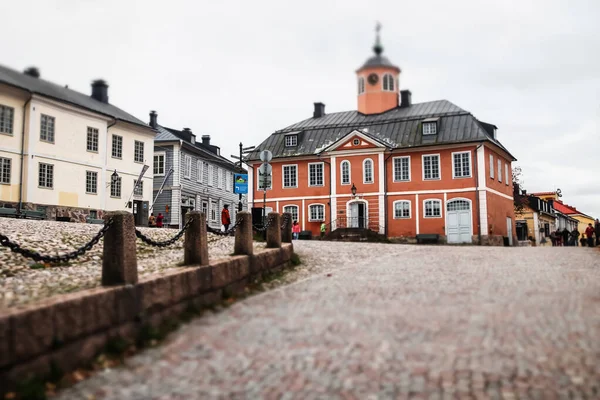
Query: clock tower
x: 377, y: 82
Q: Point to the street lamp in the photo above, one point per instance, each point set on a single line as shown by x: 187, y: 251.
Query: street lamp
x: 114, y: 177
x: 353, y: 190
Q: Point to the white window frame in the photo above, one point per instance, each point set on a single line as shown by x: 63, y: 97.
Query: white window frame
x: 506, y: 174
x: 387, y: 83
x: 200, y: 168
x: 409, y: 209
x: 93, y: 138
x: 47, y: 132
x: 425, y: 208
x: 310, y: 218
x: 115, y: 188
x: 46, y: 175
x: 499, y: 170
x: 159, y: 154
x: 429, y: 130
x: 365, y: 171
x: 283, y: 167
x: 439, y: 166
x: 228, y: 182
x: 5, y: 165
x: 394, y: 169
x: 187, y: 167
x: 138, y: 153
x: 454, y: 175
x: 342, y: 172
x: 322, y: 164
x: 92, y: 177
x: 491, y: 166
x: 297, y: 211
x: 211, y: 177
x: 293, y: 140
x: 213, y: 209
x: 7, y: 120
x: 220, y: 176
x: 139, y: 190
x: 117, y: 144
x: 361, y: 85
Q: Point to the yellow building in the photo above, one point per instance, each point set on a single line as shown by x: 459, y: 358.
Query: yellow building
x: 566, y: 209
x: 535, y: 221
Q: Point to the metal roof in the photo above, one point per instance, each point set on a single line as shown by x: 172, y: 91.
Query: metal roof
x: 397, y: 128
x: 48, y: 89
x: 377, y: 61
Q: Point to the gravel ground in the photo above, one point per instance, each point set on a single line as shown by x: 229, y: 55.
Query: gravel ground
x: 23, y: 280
x: 376, y: 321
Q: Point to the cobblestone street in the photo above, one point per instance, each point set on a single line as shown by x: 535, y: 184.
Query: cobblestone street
x: 377, y: 321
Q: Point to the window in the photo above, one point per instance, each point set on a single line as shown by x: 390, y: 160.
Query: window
x: 205, y: 209
x: 431, y: 167
x: 402, y: 169
x: 457, y: 205
x: 115, y: 188
x: 292, y: 210
x: 433, y: 209
x: 401, y: 209
x: 291, y: 140
x: 220, y: 178
x: 356, y: 142
x: 388, y: 82
x: 200, y: 167
x: 46, y: 175
x: 92, y: 139
x: 368, y: 171
x: 315, y: 174
x: 91, y: 182
x: 138, y: 189
x: 5, y: 166
x: 491, y: 166
x: 213, y: 211
x: 462, y: 164
x: 228, y: 181
x: 361, y: 85
x: 316, y: 212
x: 187, y: 172
x: 47, y: 129
x: 7, y: 115
x: 506, y: 174
x: 429, y: 128
x: 499, y: 170
x: 138, y: 151
x: 117, y: 146
x: 290, y: 176
x: 211, y: 176
x: 159, y: 164
x: 345, y: 175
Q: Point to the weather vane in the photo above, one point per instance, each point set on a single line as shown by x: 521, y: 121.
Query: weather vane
x: 378, y: 48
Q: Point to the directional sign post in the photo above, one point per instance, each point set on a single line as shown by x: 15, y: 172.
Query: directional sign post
x: 264, y: 179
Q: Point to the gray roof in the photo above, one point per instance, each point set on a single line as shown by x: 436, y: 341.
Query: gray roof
x: 48, y: 89
x: 377, y: 61
x: 397, y: 128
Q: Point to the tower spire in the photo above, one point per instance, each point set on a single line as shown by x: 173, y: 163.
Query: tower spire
x: 377, y: 48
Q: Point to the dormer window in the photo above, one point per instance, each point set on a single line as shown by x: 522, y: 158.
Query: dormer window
x: 430, y: 126
x: 388, y: 82
x: 361, y: 85
x: 291, y: 140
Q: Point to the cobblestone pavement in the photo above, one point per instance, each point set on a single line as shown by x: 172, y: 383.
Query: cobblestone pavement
x: 375, y: 321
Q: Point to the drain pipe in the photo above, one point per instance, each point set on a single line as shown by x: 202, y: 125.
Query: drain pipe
x: 476, y: 169
x: 330, y: 199
x: 20, y: 205
x: 385, y: 195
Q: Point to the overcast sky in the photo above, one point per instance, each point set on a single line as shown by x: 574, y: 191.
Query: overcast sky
x: 239, y: 70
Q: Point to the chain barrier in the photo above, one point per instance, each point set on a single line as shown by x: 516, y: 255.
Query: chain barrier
x: 165, y: 243
x: 286, y: 221
x: 227, y: 232
x: 262, y: 228
x: 34, y: 255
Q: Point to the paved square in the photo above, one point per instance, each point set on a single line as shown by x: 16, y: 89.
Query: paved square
x: 390, y: 321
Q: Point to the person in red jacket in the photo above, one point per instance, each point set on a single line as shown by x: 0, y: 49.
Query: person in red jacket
x: 295, y: 230
x: 589, y: 232
x: 225, y: 217
x: 159, y: 220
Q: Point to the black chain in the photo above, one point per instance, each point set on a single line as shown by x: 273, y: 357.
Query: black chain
x: 5, y: 241
x: 165, y: 243
x: 227, y: 232
x: 264, y: 227
x: 286, y: 221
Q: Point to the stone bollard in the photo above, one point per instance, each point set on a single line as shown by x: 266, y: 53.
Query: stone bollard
x: 195, y: 246
x: 274, y: 231
x: 286, y: 232
x: 243, y: 234
x: 119, y: 260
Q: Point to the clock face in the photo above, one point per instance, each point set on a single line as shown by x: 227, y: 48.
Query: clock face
x: 373, y: 78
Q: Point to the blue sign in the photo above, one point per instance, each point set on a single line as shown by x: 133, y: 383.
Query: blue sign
x: 240, y: 185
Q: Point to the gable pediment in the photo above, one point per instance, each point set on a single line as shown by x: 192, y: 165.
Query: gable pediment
x: 355, y: 140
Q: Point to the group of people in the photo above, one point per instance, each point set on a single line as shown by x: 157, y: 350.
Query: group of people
x: 590, y: 238
x: 156, y: 222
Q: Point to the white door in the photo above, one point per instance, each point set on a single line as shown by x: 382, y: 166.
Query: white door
x: 458, y: 221
x: 509, y: 231
x: 353, y: 222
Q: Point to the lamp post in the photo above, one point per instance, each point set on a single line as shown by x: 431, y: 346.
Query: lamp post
x: 353, y: 190
x: 114, y: 177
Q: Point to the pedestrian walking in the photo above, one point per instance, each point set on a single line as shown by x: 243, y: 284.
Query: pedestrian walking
x: 295, y: 230
x: 589, y: 232
x: 575, y: 237
x: 323, y: 229
x: 152, y: 221
x: 159, y: 220
x: 225, y: 217
x: 553, y: 238
x: 597, y: 229
x: 565, y: 236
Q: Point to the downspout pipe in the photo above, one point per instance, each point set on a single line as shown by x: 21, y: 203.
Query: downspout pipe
x: 330, y: 199
x: 20, y: 205
x: 385, y: 192
x: 476, y: 169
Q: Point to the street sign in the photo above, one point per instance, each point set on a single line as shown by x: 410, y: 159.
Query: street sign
x: 264, y: 181
x: 265, y: 169
x: 266, y: 156
x: 241, y: 184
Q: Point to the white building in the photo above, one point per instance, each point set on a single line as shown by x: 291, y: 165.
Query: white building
x: 59, y: 149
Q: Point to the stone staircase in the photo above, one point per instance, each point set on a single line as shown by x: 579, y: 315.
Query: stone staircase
x: 355, y: 235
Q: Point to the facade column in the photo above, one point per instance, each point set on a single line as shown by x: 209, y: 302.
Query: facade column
x: 381, y: 197
x: 417, y: 207
x: 333, y: 196
x: 481, y: 177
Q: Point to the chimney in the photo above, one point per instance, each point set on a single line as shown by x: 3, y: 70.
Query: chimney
x: 206, y: 140
x: 32, y: 71
x: 153, y: 119
x: 189, y: 136
x: 405, y: 98
x: 319, y: 110
x: 100, y: 90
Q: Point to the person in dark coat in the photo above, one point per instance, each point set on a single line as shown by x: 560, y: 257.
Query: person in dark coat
x: 575, y: 237
x: 589, y: 232
x: 597, y: 229
x: 565, y: 235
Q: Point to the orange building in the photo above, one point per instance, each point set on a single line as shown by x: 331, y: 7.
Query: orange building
x: 398, y: 168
